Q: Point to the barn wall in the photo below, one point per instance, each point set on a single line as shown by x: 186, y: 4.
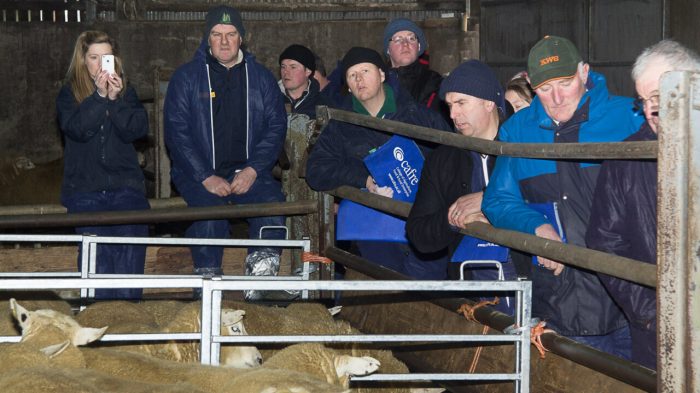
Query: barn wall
x: 608, y: 33
x: 36, y: 56
x: 683, y: 20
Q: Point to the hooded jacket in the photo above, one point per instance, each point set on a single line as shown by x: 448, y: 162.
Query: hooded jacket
x: 188, y: 119
x: 99, y: 134
x: 422, y: 84
x: 623, y: 222
x: 337, y: 157
x: 574, y: 303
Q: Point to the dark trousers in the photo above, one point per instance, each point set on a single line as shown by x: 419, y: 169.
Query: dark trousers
x: 113, y: 258
x: 404, y: 259
x: 264, y: 190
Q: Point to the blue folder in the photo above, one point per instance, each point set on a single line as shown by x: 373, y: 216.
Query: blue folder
x: 359, y: 222
x: 397, y: 164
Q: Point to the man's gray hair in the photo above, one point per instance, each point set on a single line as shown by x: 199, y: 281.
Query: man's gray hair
x: 677, y: 56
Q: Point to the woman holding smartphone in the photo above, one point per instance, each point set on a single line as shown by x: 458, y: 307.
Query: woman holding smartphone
x: 100, y: 117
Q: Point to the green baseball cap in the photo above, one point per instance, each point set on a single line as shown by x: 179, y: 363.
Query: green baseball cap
x: 552, y: 58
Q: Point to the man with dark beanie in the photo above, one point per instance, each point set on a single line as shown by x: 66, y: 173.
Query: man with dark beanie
x: 453, y: 180
x: 404, y: 45
x: 300, y: 88
x: 337, y: 157
x: 225, y: 125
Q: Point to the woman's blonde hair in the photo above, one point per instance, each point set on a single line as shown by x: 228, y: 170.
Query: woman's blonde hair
x: 78, y: 76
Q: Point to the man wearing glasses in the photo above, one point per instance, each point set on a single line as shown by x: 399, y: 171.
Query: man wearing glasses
x: 225, y: 125
x: 404, y: 44
x: 573, y: 105
x: 623, y: 215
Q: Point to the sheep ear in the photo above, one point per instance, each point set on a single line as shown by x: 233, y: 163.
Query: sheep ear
x: 85, y: 336
x: 54, y: 350
x: 20, y: 313
x: 231, y: 317
x: 335, y: 310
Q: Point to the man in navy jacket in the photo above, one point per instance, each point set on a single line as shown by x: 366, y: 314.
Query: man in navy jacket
x: 225, y: 125
x: 623, y: 215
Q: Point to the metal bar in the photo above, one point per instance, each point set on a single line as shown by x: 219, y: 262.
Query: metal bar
x: 612, y: 366
x: 160, y: 215
x: 437, y: 377
x: 196, y: 241
x: 678, y: 241
x: 626, y: 268
x: 371, y: 338
x: 552, y: 151
x: 271, y: 285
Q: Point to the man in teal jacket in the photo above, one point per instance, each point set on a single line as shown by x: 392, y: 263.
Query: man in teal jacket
x: 572, y: 105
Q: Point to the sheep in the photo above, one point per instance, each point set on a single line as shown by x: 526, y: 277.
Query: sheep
x: 42, y: 380
x: 125, y: 317
x: 324, y: 363
x: 111, y: 369
x: 315, y: 319
x: 33, y: 322
x: 31, y: 301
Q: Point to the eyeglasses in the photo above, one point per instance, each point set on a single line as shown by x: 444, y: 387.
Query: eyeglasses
x: 410, y: 40
x: 653, y: 101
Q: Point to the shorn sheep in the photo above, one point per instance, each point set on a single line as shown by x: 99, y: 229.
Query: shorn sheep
x: 111, y: 370
x: 126, y: 317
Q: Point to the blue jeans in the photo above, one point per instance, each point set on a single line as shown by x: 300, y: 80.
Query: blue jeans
x: 618, y: 342
x: 265, y: 189
x: 113, y: 258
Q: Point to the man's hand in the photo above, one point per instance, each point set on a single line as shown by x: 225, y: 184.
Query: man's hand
x: 463, y: 207
x: 243, y: 180
x: 375, y: 189
x: 217, y: 185
x: 371, y: 184
x: 474, y: 217
x: 548, y: 232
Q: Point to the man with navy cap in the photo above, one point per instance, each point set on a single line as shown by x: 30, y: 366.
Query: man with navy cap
x: 297, y: 82
x: 572, y: 105
x: 453, y: 180
x: 225, y: 125
x: 404, y: 44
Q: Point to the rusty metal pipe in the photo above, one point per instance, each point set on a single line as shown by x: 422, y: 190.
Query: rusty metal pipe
x: 552, y: 151
x: 159, y: 215
x: 54, y: 208
x: 626, y: 268
x: 612, y: 366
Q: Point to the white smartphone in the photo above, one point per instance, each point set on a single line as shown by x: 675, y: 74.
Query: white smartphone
x: 108, y: 63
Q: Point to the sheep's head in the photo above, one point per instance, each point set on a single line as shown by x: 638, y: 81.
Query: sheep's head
x: 39, y: 322
x: 237, y: 356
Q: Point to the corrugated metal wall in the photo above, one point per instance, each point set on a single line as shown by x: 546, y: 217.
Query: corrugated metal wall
x: 609, y: 33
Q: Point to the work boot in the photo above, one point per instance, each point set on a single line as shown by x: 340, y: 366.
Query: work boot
x: 264, y: 262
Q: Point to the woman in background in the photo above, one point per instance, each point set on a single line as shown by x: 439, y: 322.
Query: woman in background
x: 100, y: 117
x: 518, y: 91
